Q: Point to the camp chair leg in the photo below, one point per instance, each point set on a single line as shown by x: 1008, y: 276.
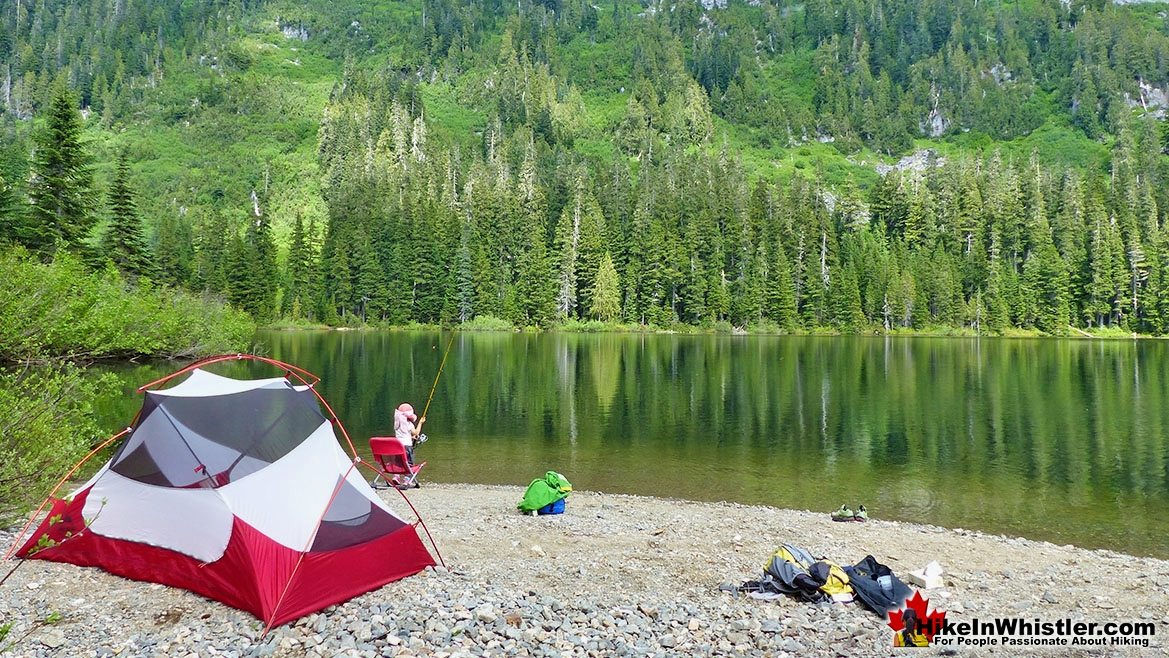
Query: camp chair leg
x: 379, y: 481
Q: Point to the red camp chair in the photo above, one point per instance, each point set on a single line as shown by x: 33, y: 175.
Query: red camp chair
x: 393, y: 468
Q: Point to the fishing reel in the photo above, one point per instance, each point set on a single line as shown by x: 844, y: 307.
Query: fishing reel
x: 421, y: 438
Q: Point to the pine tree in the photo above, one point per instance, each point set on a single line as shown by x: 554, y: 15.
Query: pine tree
x: 433, y: 278
x: 12, y: 227
x: 606, y: 293
x: 535, y: 273
x: 174, y: 250
x: 579, y: 245
x: 464, y: 289
x: 536, y: 287
x: 1045, y: 277
x: 252, y: 270
x: 123, y: 242
x: 211, y: 259
x: 996, y: 317
x: 297, y: 299
x: 368, y: 280
x: 340, y: 288
x: 61, y: 186
x: 263, y: 248
x: 781, y: 293
x: 845, y: 301
x: 237, y: 271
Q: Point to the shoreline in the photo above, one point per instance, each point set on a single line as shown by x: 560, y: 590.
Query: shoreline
x: 687, y: 330
x: 615, y: 575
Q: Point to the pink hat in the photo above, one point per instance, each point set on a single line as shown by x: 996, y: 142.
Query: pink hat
x: 406, y: 410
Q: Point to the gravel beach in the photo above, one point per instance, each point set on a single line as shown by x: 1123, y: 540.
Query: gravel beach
x: 614, y: 576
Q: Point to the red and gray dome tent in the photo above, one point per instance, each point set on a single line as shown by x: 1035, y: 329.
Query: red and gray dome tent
x: 237, y: 490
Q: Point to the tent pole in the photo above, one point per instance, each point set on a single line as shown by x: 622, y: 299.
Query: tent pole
x: 416, y: 515
x: 300, y: 373
x: 233, y: 357
x: 20, y: 536
x: 336, y: 490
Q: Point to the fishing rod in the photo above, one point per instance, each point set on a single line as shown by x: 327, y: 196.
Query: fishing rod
x: 441, y: 365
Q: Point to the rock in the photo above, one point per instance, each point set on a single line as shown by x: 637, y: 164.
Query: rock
x: 770, y: 626
x: 668, y: 641
x: 1048, y: 597
x: 791, y: 646
x: 53, y: 638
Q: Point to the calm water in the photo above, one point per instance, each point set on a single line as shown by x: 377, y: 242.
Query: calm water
x: 1051, y: 439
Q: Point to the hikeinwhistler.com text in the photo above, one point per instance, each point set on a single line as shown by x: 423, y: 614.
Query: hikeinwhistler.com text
x: 1019, y: 632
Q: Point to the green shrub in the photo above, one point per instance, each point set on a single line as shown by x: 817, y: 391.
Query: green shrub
x: 588, y: 326
x: 64, y: 309
x: 46, y: 426
x: 487, y: 323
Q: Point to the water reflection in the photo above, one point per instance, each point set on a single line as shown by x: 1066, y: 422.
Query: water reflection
x: 1052, y: 439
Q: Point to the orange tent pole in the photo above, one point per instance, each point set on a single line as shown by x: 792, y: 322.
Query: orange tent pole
x: 62, y: 481
x: 233, y: 357
x: 416, y: 515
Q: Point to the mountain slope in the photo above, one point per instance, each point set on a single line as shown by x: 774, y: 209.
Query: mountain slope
x: 449, y: 160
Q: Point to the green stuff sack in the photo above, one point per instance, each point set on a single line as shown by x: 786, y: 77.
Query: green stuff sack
x: 545, y: 491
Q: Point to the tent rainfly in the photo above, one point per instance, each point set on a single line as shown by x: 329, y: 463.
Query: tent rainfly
x: 237, y: 490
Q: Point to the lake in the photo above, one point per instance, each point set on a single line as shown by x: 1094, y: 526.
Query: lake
x: 1059, y: 440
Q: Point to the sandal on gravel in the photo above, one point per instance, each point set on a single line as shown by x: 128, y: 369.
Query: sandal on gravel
x: 862, y: 514
x: 843, y: 514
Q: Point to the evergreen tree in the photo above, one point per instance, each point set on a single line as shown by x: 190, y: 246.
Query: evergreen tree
x: 252, y: 270
x: 997, y: 316
x: 535, y: 273
x: 464, y: 289
x: 367, y: 277
x: 781, y: 293
x: 430, y: 273
x: 297, y: 298
x: 238, y: 271
x: 580, y: 244
x: 211, y: 259
x: 339, y: 290
x: 845, y: 301
x: 61, y: 185
x: 12, y: 227
x: 1045, y: 277
x: 900, y: 300
x: 606, y: 293
x: 123, y: 242
x: 174, y: 250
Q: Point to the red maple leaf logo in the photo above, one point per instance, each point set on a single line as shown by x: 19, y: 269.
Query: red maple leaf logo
x: 916, y: 609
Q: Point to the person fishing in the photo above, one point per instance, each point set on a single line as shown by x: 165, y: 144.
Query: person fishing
x: 405, y: 430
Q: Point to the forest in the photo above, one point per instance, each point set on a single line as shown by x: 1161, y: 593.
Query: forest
x: 775, y: 166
